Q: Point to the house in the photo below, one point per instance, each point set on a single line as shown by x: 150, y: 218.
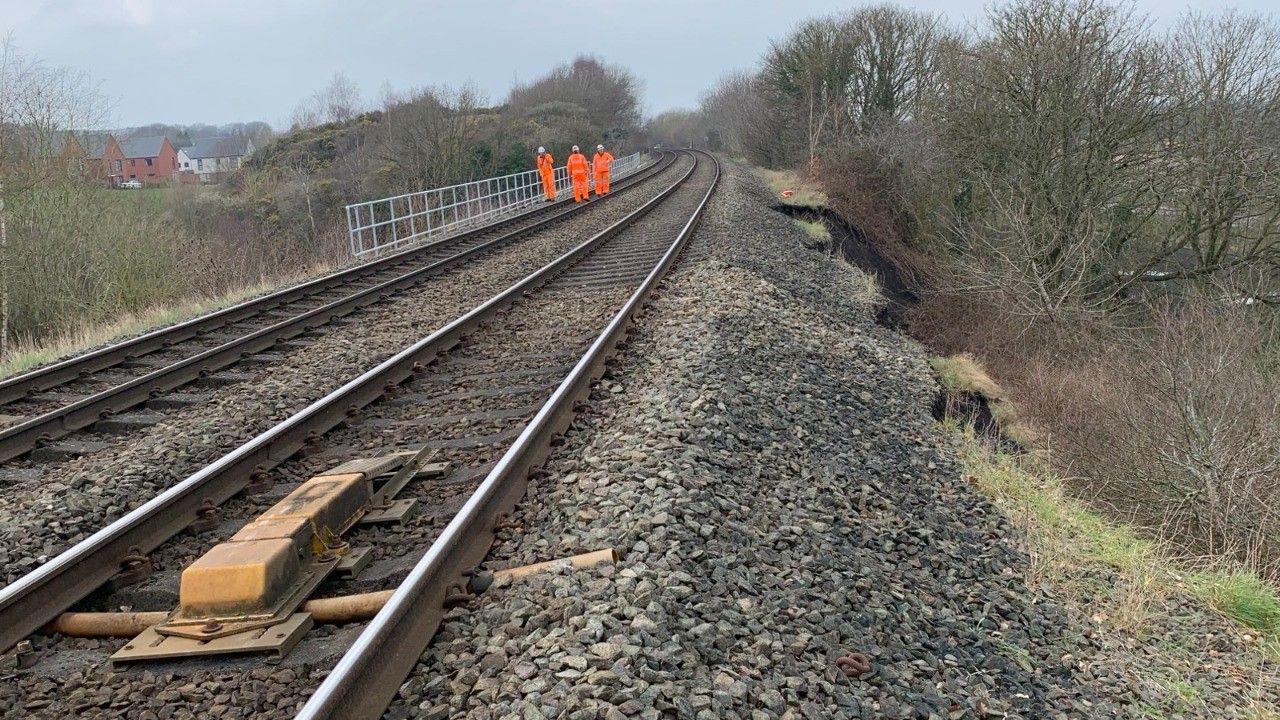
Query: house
x: 47, y: 151
x: 105, y: 161
x: 69, y: 153
x: 150, y: 160
x: 213, y: 159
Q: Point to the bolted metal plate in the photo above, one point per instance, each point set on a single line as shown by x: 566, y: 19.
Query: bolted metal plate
x: 396, y: 512
x: 276, y: 639
x: 353, y: 562
x: 370, y: 467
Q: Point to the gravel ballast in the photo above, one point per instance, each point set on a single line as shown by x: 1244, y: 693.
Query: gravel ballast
x: 796, y: 536
x: 797, y: 539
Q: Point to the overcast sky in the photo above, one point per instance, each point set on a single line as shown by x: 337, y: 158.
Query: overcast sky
x: 216, y: 61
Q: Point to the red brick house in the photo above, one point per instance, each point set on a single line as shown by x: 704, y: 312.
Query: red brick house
x: 106, y: 161
x: 150, y: 160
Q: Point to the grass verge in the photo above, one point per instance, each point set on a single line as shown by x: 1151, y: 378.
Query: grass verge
x: 803, y: 192
x: 962, y: 373
x: 1154, y: 612
x: 23, y: 357
x: 815, y: 229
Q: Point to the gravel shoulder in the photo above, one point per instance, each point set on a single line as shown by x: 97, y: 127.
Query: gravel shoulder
x: 798, y: 535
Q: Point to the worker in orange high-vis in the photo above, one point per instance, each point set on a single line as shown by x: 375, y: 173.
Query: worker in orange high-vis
x: 577, y: 167
x: 547, y: 172
x: 600, y: 168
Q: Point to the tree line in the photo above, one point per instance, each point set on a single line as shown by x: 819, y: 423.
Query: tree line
x: 1090, y: 204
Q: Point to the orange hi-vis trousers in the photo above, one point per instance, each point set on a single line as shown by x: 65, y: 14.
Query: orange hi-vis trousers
x: 548, y: 183
x: 547, y: 173
x: 600, y: 167
x: 580, y: 191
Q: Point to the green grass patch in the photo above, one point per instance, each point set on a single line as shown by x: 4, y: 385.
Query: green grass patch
x: 803, y: 192
x: 1241, y: 596
x: 815, y: 229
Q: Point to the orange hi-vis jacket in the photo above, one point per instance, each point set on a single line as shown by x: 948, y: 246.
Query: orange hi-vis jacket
x: 546, y: 163
x: 600, y: 163
x: 577, y: 165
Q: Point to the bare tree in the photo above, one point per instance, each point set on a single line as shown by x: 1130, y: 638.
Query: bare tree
x: 429, y: 137
x: 1223, y: 161
x: 896, y: 62
x: 338, y: 101
x: 737, y: 110
x: 606, y: 97
x: 41, y: 107
x: 1052, y: 121
x: 809, y: 71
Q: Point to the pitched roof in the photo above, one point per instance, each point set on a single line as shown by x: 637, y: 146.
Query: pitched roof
x: 219, y: 147
x: 137, y: 147
x: 94, y: 145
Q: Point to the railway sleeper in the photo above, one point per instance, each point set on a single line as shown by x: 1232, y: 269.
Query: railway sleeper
x: 243, y: 594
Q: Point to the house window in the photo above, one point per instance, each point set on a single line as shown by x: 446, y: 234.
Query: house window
x: 200, y: 163
x: 133, y: 163
x: 186, y: 165
x: 119, y: 166
x: 148, y: 162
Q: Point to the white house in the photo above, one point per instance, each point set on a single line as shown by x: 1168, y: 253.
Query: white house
x: 212, y: 159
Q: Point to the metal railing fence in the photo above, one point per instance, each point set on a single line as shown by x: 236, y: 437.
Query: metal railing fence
x: 392, y: 222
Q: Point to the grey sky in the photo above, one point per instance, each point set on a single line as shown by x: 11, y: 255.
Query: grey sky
x: 216, y: 61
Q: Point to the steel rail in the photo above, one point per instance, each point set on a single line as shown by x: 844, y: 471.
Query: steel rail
x: 23, y: 437
x: 59, y: 373
x: 34, y: 599
x: 369, y: 674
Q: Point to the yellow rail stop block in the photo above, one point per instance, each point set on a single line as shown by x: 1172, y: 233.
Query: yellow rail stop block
x: 238, y: 578
x: 265, y: 562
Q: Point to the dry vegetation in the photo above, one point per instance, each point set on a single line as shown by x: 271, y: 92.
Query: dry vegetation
x: 78, y: 261
x: 1131, y: 589
x: 1088, y: 207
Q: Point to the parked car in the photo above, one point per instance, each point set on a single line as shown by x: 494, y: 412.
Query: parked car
x: 131, y: 185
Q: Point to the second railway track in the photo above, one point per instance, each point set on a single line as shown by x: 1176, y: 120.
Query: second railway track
x: 48, y: 506
x: 486, y: 393
x: 102, y: 389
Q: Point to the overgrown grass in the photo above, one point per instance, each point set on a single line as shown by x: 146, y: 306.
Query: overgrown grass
x: 88, y: 264
x: 1065, y: 536
x: 30, y: 355
x: 815, y: 229
x: 962, y: 373
x: 1241, y: 596
x: 803, y: 192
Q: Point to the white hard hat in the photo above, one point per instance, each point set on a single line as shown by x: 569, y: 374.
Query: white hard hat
x: 575, y: 148
x: 541, y: 149
x: 599, y: 147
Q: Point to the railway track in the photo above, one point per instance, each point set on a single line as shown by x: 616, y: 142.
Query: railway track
x: 116, y: 389
x: 485, y: 394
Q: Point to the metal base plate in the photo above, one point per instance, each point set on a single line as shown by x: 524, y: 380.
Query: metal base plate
x: 396, y: 512
x: 353, y: 562
x: 277, y: 640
